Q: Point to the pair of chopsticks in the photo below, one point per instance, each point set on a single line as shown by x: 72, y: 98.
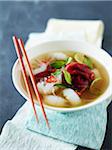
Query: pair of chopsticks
x: 21, y: 52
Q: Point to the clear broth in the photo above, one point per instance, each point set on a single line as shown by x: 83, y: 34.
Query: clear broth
x: 87, y: 96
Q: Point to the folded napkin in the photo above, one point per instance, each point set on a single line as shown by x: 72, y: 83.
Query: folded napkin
x: 91, y: 29
x: 15, y: 137
x: 24, y: 118
x: 85, y: 128
x: 78, y: 30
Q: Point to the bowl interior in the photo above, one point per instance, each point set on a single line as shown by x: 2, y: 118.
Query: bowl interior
x: 96, y: 53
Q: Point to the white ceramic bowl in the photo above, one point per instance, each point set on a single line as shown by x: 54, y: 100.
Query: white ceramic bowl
x: 99, y: 54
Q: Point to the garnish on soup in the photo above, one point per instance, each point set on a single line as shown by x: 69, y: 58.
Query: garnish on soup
x: 68, y: 79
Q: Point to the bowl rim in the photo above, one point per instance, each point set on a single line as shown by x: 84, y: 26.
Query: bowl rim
x: 61, y: 109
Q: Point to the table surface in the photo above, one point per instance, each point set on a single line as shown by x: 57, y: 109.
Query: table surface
x: 22, y: 18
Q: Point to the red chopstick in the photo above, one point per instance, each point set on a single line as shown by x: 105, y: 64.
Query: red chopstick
x: 16, y: 44
x: 21, y: 44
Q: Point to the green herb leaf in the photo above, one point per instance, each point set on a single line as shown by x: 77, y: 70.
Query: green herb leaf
x: 69, y: 59
x: 88, y: 62
x: 67, y: 77
x: 56, y: 73
x: 60, y: 85
x: 58, y: 64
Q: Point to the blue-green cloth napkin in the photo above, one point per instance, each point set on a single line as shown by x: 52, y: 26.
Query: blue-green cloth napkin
x: 85, y: 128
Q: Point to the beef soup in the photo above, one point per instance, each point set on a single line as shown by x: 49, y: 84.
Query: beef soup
x: 68, y: 79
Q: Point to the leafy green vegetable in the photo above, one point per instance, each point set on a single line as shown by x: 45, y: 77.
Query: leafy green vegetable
x: 67, y: 77
x: 69, y: 59
x: 58, y: 64
x: 88, y: 62
x: 57, y: 72
x: 60, y: 85
x: 61, y: 63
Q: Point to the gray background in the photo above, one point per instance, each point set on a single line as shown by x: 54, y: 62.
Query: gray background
x: 21, y: 18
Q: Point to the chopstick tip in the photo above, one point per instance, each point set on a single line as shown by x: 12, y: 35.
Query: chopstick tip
x: 20, y: 40
x: 48, y: 126
x: 47, y: 123
x: 13, y: 37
